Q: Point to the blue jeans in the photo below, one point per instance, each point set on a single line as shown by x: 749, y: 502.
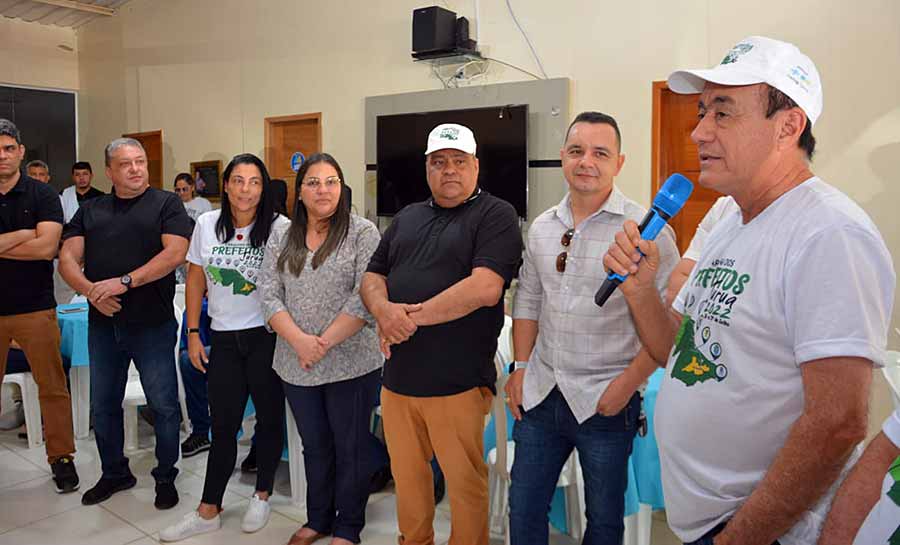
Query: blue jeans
x: 112, y: 345
x: 544, y: 440
x: 196, y: 394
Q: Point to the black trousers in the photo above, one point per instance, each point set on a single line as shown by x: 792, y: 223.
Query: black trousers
x: 240, y: 365
x: 339, y: 451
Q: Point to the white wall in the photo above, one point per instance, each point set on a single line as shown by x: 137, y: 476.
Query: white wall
x: 30, y: 55
x: 207, y: 72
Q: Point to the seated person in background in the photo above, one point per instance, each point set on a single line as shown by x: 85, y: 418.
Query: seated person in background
x: 861, y: 507
x: 195, y: 388
x: 186, y: 189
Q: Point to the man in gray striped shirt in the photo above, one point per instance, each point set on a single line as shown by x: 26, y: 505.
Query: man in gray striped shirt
x: 578, y: 367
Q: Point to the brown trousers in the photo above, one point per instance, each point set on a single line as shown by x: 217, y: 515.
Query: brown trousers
x: 452, y: 428
x: 38, y: 335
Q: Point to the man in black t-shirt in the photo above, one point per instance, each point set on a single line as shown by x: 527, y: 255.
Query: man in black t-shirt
x: 130, y: 243
x: 435, y: 287
x: 30, y: 225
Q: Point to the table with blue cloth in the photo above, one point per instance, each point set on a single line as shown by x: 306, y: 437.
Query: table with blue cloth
x: 73, y: 326
x: 644, y: 481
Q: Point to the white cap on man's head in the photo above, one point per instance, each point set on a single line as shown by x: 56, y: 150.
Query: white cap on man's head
x: 758, y: 59
x: 451, y: 136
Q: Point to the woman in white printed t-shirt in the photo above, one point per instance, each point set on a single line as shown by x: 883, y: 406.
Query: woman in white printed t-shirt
x: 225, y: 256
x: 186, y: 188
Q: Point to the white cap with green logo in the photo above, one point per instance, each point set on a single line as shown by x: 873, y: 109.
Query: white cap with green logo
x: 758, y: 59
x: 451, y: 136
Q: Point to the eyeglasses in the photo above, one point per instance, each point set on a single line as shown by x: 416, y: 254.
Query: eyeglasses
x: 561, y: 258
x: 315, y: 183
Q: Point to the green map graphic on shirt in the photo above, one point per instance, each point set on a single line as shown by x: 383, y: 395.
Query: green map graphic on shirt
x: 691, y: 366
x: 894, y: 495
x: 230, y: 277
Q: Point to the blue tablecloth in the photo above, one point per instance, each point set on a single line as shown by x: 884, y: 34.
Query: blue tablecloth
x: 73, y: 326
x: 644, y: 481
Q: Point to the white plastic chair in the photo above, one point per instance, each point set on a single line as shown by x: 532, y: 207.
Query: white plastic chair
x: 30, y: 405
x: 891, y: 371
x: 134, y: 393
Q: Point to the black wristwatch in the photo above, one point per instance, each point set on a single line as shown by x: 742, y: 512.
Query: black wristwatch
x: 126, y: 281
x: 194, y: 330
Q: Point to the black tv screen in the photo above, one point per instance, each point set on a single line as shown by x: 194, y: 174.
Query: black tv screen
x: 501, y: 133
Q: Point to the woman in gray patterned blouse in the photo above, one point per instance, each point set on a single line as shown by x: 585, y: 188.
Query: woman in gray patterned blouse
x: 327, y: 351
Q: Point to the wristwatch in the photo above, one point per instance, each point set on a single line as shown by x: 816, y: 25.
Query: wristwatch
x: 516, y: 365
x: 194, y: 330
x: 126, y: 281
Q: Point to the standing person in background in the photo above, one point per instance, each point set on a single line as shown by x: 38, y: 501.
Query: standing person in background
x: 30, y: 227
x: 226, y: 253
x: 327, y: 351
x: 129, y: 243
x: 279, y: 196
x: 187, y: 190
x: 38, y: 170
x: 80, y: 190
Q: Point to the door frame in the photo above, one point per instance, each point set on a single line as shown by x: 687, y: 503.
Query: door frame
x: 656, y: 152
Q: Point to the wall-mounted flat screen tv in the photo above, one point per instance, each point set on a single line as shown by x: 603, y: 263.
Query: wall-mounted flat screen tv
x: 501, y: 133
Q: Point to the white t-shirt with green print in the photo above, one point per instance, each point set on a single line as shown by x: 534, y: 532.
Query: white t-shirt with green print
x: 808, y: 278
x: 882, y: 526
x: 232, y: 273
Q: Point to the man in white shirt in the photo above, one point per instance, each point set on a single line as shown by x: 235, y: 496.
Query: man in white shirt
x: 868, y: 503
x: 578, y: 366
x: 765, y: 400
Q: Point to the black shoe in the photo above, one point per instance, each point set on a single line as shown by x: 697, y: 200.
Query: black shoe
x: 166, y: 496
x: 106, y: 488
x: 380, y: 479
x: 64, y: 475
x: 194, y: 444
x: 249, y: 463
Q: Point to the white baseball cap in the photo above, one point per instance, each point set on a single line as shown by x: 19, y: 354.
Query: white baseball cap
x: 451, y: 136
x: 758, y: 59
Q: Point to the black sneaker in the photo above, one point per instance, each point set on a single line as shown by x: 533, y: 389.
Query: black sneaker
x: 64, y: 475
x: 166, y: 496
x: 106, y: 488
x: 249, y: 463
x: 194, y: 444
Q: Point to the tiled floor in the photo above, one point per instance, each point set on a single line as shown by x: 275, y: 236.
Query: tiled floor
x: 32, y: 513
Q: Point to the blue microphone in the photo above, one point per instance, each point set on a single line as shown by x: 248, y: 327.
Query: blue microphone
x: 668, y: 202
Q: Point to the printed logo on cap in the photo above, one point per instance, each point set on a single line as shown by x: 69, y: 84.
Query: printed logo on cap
x: 449, y: 133
x: 736, y: 53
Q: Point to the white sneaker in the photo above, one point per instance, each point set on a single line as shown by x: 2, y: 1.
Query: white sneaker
x: 257, y: 515
x: 191, y: 525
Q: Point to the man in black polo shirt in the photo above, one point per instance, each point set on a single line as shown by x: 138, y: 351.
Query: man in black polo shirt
x: 435, y: 286
x: 130, y: 243
x: 30, y: 225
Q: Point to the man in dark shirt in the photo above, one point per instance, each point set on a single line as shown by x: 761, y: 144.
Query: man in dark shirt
x: 80, y: 190
x: 130, y: 243
x: 38, y: 170
x: 435, y: 287
x: 30, y: 225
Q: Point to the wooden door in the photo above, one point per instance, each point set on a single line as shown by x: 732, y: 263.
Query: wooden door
x: 152, y: 142
x: 285, y: 136
x: 674, y: 117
